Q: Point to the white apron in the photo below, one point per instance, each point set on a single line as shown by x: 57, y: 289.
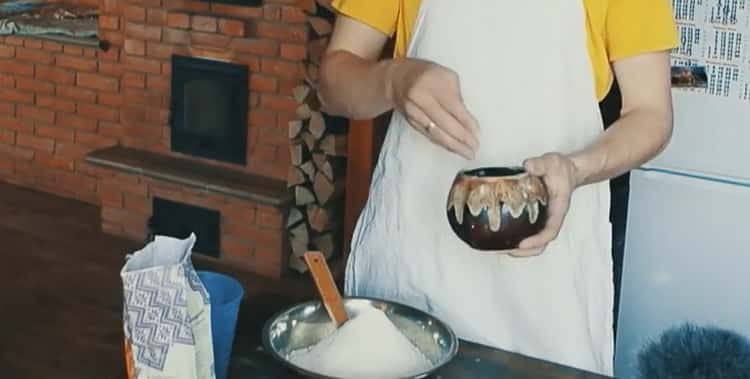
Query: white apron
x: 526, y: 76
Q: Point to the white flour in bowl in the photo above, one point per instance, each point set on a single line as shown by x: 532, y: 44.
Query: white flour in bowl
x: 368, y: 346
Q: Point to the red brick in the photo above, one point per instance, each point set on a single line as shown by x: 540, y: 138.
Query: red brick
x: 7, y: 81
x: 235, y: 28
x: 132, y: 115
x: 260, y: 236
x: 111, y: 99
x: 237, y: 10
x: 209, y: 39
x: 17, y: 124
x: 272, y: 12
x: 141, y: 97
x: 277, y: 103
x: 110, y: 129
x: 70, y: 150
x: 52, y: 46
x: 146, y: 65
x: 262, y: 83
x: 110, y: 194
x: 293, y: 15
x: 159, y: 83
x: 7, y: 51
x: 134, y: 47
x: 262, y: 117
x: 157, y: 116
x: 286, y: 87
x: 99, y: 112
x: 14, y: 40
x: 109, y: 22
x: 76, y: 63
x: 76, y: 182
x: 160, y: 50
x: 32, y: 43
x: 34, y: 142
x: 133, y: 80
x: 156, y: 16
x: 176, y: 36
x: 110, y: 6
x: 97, y: 82
x: 16, y: 96
x: 35, y: 113
x: 134, y: 14
x: 16, y: 68
x: 140, y: 204
x: 8, y: 109
x: 76, y: 93
x: 32, y: 85
x: 94, y: 140
x: 255, y: 46
x: 178, y: 20
x: 55, y: 132
x: 147, y: 3
x: 73, y: 50
x: 238, y: 212
x: 281, y: 32
x: 282, y: 69
x: 194, y: 6
x: 145, y: 32
x: 76, y: 122
x: 54, y: 74
x: 17, y: 152
x: 7, y: 137
x: 110, y: 68
x: 294, y: 52
x: 113, y: 54
x: 204, y: 24
x: 54, y: 161
x: 269, y: 217
x: 56, y: 103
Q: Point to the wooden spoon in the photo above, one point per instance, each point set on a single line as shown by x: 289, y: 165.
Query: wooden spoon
x: 329, y: 293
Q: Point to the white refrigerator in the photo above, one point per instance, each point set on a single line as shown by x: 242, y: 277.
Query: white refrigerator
x: 687, y: 253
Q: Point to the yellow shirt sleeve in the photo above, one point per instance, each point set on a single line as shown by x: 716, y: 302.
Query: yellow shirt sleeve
x: 639, y: 26
x: 379, y: 14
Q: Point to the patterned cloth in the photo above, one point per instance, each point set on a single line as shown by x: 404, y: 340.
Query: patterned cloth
x: 166, y: 314
x: 37, y: 18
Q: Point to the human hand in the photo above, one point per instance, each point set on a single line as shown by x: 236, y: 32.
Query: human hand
x: 429, y: 96
x: 559, y: 174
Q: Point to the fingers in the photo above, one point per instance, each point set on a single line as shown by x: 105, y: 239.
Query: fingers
x: 444, y: 130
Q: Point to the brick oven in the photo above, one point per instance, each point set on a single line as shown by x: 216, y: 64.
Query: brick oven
x: 185, y: 122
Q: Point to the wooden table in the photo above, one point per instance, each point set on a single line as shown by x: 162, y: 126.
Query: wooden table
x: 472, y: 362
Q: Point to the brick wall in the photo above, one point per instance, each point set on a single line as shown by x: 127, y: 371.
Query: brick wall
x: 59, y: 102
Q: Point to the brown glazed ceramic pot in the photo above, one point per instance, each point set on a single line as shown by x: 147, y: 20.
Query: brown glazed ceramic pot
x: 495, y: 208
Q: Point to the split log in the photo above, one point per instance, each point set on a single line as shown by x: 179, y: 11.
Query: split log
x: 316, y: 125
x: 318, y: 218
x: 295, y: 128
x: 331, y: 167
x: 299, y: 153
x: 303, y: 195
x: 309, y: 169
x: 316, y: 49
x: 298, y: 264
x: 310, y: 140
x: 324, y: 243
x: 303, y: 111
x: 295, y: 176
x: 300, y: 93
x: 320, y: 26
x: 334, y: 144
x: 325, y: 190
x: 299, y: 239
x: 295, y: 217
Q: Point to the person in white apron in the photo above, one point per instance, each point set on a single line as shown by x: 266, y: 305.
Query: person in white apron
x: 526, y: 96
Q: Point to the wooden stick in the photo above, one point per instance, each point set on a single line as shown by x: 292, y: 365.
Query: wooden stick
x: 329, y: 293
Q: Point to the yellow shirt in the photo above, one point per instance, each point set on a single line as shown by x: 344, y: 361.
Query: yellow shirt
x: 616, y: 28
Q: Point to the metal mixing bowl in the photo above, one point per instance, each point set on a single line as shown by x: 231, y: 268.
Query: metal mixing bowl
x: 306, y: 324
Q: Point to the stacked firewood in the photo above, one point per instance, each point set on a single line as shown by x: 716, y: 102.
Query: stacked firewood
x: 318, y: 155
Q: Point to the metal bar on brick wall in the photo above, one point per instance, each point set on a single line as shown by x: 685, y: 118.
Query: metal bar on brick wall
x: 87, y: 42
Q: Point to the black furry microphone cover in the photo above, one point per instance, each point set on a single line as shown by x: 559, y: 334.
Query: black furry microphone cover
x: 693, y: 352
